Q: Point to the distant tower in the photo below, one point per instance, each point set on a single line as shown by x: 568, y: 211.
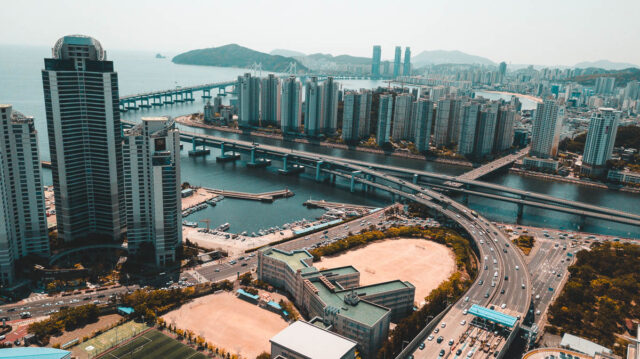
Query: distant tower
x: 312, y: 107
x: 375, y: 61
x: 406, y: 70
x: 397, y: 61
x: 85, y: 140
x: 502, y: 71
x: 270, y: 92
x: 546, y: 130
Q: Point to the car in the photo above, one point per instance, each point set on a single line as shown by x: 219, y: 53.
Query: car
x: 502, y: 291
x: 244, y: 264
x: 463, y: 322
x: 17, y: 342
x: 217, y: 270
x: 504, y: 250
x: 506, y: 277
x: 2, y: 337
x: 459, y: 351
x: 11, y: 310
x: 523, y: 286
x: 440, y: 339
x: 486, y: 267
x: 517, y: 268
x: 486, y: 295
x: 421, y: 346
x: 480, y: 282
x: 538, y: 312
x: 233, y: 262
x: 443, y: 325
x: 442, y: 352
x: 464, y: 312
x: 451, y: 342
x: 430, y: 338
x: 436, y: 330
x: 466, y: 299
x: 504, y: 305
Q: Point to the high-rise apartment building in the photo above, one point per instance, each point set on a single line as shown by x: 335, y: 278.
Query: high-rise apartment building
x: 546, y: 130
x: 397, y: 60
x: 385, y: 112
x: 23, y: 223
x: 330, y: 92
x: 504, y: 129
x: 152, y: 186
x: 351, y: 117
x: 447, y: 127
x: 248, y: 88
x: 502, y: 72
x: 364, y: 124
x: 605, y: 85
x: 468, y: 124
x: 85, y: 140
x: 601, y: 138
x: 402, y: 121
x: 270, y: 101
x: 422, y: 117
x: 375, y: 61
x: 313, y: 107
x: 291, y: 108
x: 453, y: 130
x: 406, y: 69
x: 485, y: 130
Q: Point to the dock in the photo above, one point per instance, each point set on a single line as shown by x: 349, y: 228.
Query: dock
x: 262, y: 197
x: 335, y: 205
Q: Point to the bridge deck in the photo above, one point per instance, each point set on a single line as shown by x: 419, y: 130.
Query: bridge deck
x: 490, y: 167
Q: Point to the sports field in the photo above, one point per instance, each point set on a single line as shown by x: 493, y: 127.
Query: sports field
x: 108, y: 339
x: 154, y: 344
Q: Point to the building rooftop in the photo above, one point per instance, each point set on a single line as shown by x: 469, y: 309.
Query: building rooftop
x: 34, y: 353
x: 339, y: 271
x: 312, y: 342
x: 364, y: 312
x: 293, y: 259
x: 382, y: 287
x: 582, y: 345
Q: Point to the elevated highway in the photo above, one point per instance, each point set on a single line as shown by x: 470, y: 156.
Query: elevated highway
x: 490, y: 167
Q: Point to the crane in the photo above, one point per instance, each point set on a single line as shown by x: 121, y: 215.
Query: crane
x: 208, y: 222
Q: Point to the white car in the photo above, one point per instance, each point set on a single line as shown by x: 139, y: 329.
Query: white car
x: 443, y: 325
x: 430, y: 338
x: 463, y: 322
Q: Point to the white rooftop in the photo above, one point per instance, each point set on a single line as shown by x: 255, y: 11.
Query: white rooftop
x: 582, y: 345
x: 313, y: 342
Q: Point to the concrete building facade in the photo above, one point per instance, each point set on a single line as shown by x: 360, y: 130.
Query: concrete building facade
x: 270, y: 101
x: 468, y: 124
x: 546, y: 130
x: 291, y: 108
x: 385, y: 113
x: 248, y: 100
x: 422, y: 117
x: 402, y: 120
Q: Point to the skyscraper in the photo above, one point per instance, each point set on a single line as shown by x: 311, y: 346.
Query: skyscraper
x: 375, y: 61
x: 364, y: 123
x: 468, y: 123
x: 330, y: 91
x: 312, y: 107
x: 453, y: 125
x: 485, y: 130
x: 546, y: 130
x: 351, y: 117
x: 406, y: 69
x: 152, y: 187
x: 397, y: 61
x: 23, y: 224
x: 444, y: 121
x: 385, y: 112
x: 85, y: 140
x: 601, y: 138
x: 402, y: 118
x: 605, y: 85
x: 270, y: 91
x: 248, y: 100
x: 422, y: 115
x: 504, y: 129
x: 502, y: 71
x: 291, y: 105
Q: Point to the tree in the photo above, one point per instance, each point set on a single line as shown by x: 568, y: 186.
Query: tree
x: 264, y: 355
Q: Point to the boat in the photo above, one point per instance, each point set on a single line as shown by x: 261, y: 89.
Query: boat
x: 160, y: 56
x: 211, y: 202
x: 243, y: 233
x: 223, y: 227
x: 189, y: 224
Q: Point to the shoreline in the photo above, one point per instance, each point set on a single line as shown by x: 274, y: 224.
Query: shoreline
x: 529, y: 97
x: 580, y: 182
x: 184, y: 120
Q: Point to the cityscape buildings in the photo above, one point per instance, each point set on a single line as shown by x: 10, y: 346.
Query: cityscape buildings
x: 422, y: 118
x: 402, y: 120
x: 85, y: 140
x: 375, y: 61
x: 605, y: 85
x: 397, y: 61
x: 152, y: 187
x: 406, y: 69
x: 601, y: 138
x: 248, y: 100
x: 270, y: 101
x: 23, y: 224
x: 355, y: 117
x: 385, y: 112
x: 291, y: 108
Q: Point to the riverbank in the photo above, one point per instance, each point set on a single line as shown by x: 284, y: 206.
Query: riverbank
x: 577, y: 181
x: 530, y: 97
x: 187, y: 121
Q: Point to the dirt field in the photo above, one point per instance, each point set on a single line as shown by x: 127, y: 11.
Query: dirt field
x: 103, y: 322
x: 423, y: 263
x: 229, y: 323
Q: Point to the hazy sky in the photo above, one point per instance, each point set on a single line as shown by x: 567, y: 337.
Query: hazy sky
x: 545, y: 32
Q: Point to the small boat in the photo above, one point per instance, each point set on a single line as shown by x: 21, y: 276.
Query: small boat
x: 223, y: 227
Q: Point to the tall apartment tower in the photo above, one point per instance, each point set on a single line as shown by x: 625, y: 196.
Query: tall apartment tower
x: 502, y: 71
x: 385, y: 112
x: 330, y: 92
x: 152, y: 187
x: 422, y: 118
x: 504, y: 129
x: 545, y: 133
x: 397, y: 61
x: 601, y: 137
x: 453, y: 128
x: 270, y: 92
x: 375, y: 61
x: 351, y: 116
x: 23, y: 224
x: 248, y: 100
x: 446, y: 127
x: 605, y: 85
x: 468, y: 124
x: 485, y: 130
x: 364, y: 124
x: 85, y: 139
x: 313, y: 107
x: 406, y: 69
x: 402, y: 129
x: 291, y: 108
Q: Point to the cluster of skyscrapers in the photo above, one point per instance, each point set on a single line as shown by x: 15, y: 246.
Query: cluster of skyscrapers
x: 107, y: 182
x: 381, y: 68
x: 270, y: 101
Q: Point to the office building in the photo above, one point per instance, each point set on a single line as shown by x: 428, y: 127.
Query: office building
x: 385, y: 113
x: 468, y: 124
x: 546, y: 130
x: 334, y: 299
x: 397, y: 62
x: 605, y: 85
x: 270, y: 101
x: 312, y: 107
x: 302, y: 340
x: 422, y: 118
x: 329, y: 122
x: 291, y: 108
x: 406, y: 69
x: 152, y: 187
x: 402, y: 121
x: 85, y: 140
x: 23, y: 223
x: 375, y: 61
x: 504, y: 129
x: 601, y: 138
x: 485, y: 130
x: 248, y: 88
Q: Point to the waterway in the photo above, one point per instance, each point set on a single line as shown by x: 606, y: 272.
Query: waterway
x: 21, y: 86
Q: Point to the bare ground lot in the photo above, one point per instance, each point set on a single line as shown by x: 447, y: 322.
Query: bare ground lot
x: 423, y: 263
x: 229, y: 322
x: 102, y: 323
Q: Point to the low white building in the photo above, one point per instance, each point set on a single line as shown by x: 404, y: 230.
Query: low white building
x: 302, y: 340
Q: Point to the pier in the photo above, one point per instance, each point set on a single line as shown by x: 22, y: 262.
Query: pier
x: 268, y: 197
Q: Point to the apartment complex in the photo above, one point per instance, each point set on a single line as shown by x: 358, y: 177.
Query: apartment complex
x: 601, y: 138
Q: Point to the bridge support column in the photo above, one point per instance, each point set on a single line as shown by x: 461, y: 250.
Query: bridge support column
x: 353, y: 183
x: 520, y: 210
x: 318, y: 170
x: 206, y: 93
x: 195, y: 152
x: 189, y: 96
x: 290, y: 170
x: 168, y: 98
x: 416, y: 178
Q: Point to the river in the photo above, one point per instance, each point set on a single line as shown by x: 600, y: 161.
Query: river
x: 21, y: 86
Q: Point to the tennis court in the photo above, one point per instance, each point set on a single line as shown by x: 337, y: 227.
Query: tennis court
x: 154, y: 344
x: 108, y: 339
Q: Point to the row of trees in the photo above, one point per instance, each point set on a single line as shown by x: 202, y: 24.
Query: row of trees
x: 198, y: 340
x: 66, y: 319
x: 603, y: 291
x: 525, y: 242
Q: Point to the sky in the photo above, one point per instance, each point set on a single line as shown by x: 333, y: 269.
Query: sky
x: 541, y: 32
